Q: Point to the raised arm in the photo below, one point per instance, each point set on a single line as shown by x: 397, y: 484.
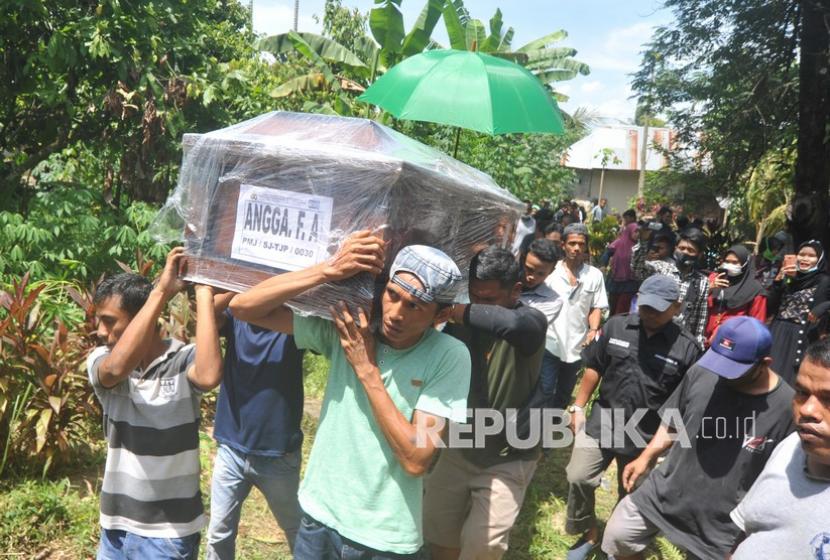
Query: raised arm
x: 206, y: 372
x: 137, y: 338
x: 264, y: 304
x: 523, y: 327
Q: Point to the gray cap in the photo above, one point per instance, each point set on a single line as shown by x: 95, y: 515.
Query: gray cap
x: 435, y: 269
x: 659, y: 292
x: 576, y: 229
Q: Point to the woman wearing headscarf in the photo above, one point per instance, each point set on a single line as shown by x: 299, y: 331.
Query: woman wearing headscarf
x: 622, y: 283
x: 796, y: 291
x: 734, y: 291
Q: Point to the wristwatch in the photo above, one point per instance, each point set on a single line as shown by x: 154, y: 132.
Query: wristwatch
x: 574, y: 408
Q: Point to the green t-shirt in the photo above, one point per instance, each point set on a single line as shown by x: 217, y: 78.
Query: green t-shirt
x: 353, y: 482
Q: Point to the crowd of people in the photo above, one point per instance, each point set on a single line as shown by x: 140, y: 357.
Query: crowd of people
x: 707, y: 383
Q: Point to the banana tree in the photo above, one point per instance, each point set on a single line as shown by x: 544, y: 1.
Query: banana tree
x: 386, y: 24
x: 769, y: 192
x: 324, y: 54
x: 541, y: 56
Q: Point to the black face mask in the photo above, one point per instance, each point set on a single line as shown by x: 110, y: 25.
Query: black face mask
x: 684, y: 260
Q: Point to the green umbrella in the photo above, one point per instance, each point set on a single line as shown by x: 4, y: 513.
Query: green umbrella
x: 467, y: 89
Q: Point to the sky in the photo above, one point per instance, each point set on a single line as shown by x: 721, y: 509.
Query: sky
x: 607, y: 34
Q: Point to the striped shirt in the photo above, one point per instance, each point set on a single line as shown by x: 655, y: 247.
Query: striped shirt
x: 151, y: 424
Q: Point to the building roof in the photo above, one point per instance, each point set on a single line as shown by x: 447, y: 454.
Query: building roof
x: 625, y: 141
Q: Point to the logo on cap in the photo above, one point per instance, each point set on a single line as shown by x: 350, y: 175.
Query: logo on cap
x: 727, y: 344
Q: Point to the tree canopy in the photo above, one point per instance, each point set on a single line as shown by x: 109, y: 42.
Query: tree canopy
x: 741, y: 80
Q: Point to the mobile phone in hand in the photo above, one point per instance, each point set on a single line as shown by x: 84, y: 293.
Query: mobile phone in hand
x: 789, y: 260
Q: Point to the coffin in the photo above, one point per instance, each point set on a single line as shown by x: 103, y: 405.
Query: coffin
x: 280, y: 192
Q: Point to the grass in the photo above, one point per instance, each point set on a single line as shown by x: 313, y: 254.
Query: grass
x: 61, y: 516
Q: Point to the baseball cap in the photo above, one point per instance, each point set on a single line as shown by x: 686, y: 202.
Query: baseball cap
x: 435, y: 269
x: 738, y: 345
x: 658, y: 291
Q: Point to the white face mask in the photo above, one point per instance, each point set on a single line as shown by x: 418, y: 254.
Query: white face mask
x: 732, y: 269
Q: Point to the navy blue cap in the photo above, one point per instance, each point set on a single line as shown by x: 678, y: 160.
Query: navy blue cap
x: 738, y: 345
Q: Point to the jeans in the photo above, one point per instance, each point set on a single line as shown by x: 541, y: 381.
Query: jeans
x: 121, y: 545
x: 558, y: 380
x: 234, y: 473
x: 316, y: 541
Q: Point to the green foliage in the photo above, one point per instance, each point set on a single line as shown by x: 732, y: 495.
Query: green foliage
x: 72, y: 233
x: 386, y: 23
x: 315, y: 374
x: 541, y: 56
x: 527, y: 165
x: 693, y: 189
x: 668, y: 551
x: 122, y: 80
x: 724, y: 75
x: 47, y: 409
x: 418, y: 37
x: 602, y: 233
x: 309, y: 45
x: 35, y: 513
x: 769, y: 191
x: 344, y: 26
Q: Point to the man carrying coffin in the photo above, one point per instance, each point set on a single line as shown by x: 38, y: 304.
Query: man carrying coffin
x: 389, y: 389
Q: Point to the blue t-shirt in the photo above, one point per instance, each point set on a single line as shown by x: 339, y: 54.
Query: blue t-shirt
x: 261, y: 400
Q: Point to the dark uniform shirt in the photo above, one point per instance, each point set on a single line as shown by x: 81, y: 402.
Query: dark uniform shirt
x: 637, y: 372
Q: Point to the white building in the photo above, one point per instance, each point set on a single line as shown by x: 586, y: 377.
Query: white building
x: 622, y: 164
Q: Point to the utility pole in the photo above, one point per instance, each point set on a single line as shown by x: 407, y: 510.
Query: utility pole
x: 641, y: 179
x: 645, y: 116
x: 296, y: 13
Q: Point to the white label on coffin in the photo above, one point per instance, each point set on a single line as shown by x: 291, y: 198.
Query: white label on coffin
x: 281, y: 229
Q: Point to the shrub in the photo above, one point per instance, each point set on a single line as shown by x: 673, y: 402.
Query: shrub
x: 45, y: 401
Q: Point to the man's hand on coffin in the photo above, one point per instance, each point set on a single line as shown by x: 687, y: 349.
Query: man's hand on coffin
x: 360, y: 252
x: 357, y: 341
x: 169, y: 283
x: 206, y: 371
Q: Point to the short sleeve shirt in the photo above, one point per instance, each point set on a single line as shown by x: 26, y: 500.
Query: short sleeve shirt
x: 731, y: 436
x: 786, y: 514
x: 260, y: 404
x: 543, y: 298
x: 353, y: 481
x: 151, y: 423
x: 637, y: 372
x: 568, y: 330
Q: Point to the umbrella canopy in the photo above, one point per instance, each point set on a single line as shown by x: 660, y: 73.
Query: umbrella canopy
x: 467, y: 89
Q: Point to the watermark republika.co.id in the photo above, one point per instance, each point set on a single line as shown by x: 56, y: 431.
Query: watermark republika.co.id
x: 550, y: 428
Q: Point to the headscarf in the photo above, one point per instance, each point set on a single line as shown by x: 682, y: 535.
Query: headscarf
x: 804, y: 280
x: 623, y: 246
x: 742, y: 288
